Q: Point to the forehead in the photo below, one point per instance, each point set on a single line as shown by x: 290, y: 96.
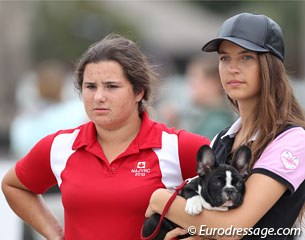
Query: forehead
x: 104, y: 66
x: 230, y: 46
x: 222, y: 170
x: 105, y: 71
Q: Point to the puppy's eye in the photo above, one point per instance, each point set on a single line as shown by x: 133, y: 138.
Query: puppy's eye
x: 217, y: 182
x: 239, y: 184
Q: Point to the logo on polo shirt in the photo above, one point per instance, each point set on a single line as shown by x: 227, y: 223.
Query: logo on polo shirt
x: 141, y: 164
x: 290, y: 162
x: 141, y: 169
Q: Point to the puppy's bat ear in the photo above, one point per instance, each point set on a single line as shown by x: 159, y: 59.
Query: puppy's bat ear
x: 241, y: 160
x: 205, y: 160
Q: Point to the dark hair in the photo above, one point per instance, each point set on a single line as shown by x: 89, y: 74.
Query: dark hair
x: 127, y: 53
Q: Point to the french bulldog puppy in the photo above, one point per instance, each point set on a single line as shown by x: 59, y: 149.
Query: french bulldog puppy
x: 216, y: 187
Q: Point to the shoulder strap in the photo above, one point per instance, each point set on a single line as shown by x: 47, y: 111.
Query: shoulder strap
x: 287, y: 127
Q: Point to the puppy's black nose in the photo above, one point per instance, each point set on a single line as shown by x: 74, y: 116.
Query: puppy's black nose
x: 229, y: 191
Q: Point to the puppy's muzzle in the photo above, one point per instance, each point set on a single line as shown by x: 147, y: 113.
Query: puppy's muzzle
x: 231, y: 197
x: 230, y: 192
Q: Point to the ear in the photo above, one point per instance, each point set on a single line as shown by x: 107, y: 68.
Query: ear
x: 139, y: 96
x: 206, y: 160
x: 241, y: 160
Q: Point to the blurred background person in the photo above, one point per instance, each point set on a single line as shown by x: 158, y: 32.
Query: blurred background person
x: 211, y: 111
x: 196, y: 101
x: 173, y: 103
x: 45, y: 104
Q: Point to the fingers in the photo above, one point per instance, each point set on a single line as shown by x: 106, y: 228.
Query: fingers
x: 174, y: 233
x: 149, y: 212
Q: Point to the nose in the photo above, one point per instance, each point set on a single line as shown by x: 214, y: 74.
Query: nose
x: 230, y: 191
x: 233, y: 67
x: 100, y: 95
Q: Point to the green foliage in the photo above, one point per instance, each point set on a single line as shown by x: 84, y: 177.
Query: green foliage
x: 64, y: 30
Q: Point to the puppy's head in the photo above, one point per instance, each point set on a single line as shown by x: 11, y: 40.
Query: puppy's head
x: 222, y: 185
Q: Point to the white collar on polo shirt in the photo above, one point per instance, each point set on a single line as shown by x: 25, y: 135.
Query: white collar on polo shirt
x: 233, y: 130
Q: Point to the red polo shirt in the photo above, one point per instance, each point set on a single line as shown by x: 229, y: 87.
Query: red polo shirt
x: 102, y: 200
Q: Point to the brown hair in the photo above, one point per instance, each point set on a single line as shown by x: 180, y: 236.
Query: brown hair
x: 276, y: 108
x: 127, y: 53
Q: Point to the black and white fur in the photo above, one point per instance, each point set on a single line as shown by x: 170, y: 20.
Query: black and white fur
x: 217, y: 187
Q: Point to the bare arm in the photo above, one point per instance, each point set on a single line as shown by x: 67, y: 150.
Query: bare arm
x: 31, y: 207
x: 261, y: 194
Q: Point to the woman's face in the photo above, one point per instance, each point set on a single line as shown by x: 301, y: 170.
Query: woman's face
x: 108, y: 96
x: 239, y: 71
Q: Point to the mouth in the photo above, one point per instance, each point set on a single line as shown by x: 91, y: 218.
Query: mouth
x: 100, y: 110
x: 235, y: 83
x: 229, y: 198
x: 228, y: 203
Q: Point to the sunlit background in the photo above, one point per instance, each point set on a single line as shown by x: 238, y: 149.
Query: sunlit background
x: 36, y: 34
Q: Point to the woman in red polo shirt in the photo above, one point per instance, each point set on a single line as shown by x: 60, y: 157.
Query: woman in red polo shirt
x: 107, y: 168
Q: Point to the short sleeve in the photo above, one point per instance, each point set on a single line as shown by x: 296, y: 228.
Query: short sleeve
x: 284, y: 159
x: 189, y: 144
x: 34, y: 170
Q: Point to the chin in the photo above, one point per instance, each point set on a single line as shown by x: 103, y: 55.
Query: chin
x: 236, y: 97
x: 103, y: 123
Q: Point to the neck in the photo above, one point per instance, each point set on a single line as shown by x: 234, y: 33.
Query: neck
x: 246, y: 110
x: 122, y: 134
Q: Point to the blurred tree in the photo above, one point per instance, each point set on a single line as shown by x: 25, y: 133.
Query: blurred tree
x: 63, y: 30
x: 220, y: 7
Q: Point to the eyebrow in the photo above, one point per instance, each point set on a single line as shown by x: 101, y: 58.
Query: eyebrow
x: 104, y: 83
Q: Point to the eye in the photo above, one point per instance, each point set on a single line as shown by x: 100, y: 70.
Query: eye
x: 90, y: 86
x: 112, y: 86
x: 224, y: 58
x: 248, y: 57
x: 217, y: 182
x: 239, y: 184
